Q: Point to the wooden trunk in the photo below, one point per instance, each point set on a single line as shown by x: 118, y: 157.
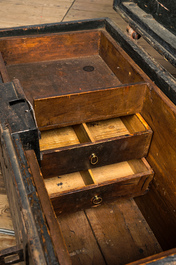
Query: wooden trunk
x: 88, y: 147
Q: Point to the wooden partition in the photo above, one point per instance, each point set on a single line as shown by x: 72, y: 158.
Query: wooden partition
x: 60, y: 111
x: 158, y: 206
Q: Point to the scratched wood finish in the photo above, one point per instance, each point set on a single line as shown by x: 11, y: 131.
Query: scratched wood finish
x: 44, y: 67
x: 116, y: 227
x: 80, y: 240
x: 54, y: 46
x: 18, y: 16
x: 163, y: 258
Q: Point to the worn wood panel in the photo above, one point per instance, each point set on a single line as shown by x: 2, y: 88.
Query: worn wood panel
x: 5, y: 214
x: 121, y: 232
x: 54, y: 46
x: 81, y: 244
x: 159, y: 206
x: 76, y: 108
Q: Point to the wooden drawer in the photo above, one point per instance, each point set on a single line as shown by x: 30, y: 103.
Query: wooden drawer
x: 94, y: 144
x: 84, y: 189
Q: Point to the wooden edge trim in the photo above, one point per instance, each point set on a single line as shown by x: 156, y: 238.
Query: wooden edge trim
x: 143, y: 122
x: 158, y: 257
x: 3, y: 70
x: 55, y: 231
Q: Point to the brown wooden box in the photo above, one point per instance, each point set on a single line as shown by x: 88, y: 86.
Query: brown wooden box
x: 85, y: 201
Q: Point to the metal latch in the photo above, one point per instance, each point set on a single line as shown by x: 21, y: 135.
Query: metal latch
x: 12, y: 255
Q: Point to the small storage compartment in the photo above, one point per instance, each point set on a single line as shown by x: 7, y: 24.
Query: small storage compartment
x: 89, y: 188
x: 84, y: 74
x: 94, y: 144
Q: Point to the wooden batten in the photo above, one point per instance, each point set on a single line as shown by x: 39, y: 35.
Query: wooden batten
x: 75, y: 108
x: 162, y: 258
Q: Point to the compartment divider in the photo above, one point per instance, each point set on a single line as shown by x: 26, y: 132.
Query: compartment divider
x: 83, y: 133
x: 88, y: 177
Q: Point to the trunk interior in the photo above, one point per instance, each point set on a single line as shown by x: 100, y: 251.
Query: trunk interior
x: 107, y: 145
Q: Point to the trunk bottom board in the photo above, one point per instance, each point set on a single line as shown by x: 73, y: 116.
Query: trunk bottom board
x: 114, y: 233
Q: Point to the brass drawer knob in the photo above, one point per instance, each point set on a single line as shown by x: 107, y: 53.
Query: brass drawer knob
x: 93, y: 159
x: 97, y: 200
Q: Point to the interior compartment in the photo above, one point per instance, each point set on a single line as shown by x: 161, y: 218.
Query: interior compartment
x: 91, y: 81
x: 99, y: 233
x: 51, y: 66
x: 91, y: 132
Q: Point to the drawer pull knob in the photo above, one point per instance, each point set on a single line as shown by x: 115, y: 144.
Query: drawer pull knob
x: 93, y: 159
x: 96, y: 200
